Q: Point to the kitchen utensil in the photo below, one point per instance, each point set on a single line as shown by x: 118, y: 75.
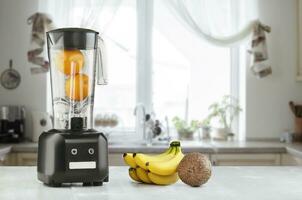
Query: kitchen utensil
x: 41, y: 122
x: 10, y: 78
x: 73, y: 151
x: 292, y: 107
x: 12, y: 122
x: 3, y: 152
x: 298, y: 125
x: 296, y: 109
x: 287, y: 137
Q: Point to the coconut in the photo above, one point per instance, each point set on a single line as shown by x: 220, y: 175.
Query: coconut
x: 194, y: 169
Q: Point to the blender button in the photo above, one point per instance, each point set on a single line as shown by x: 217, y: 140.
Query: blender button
x: 74, y: 151
x: 91, y: 151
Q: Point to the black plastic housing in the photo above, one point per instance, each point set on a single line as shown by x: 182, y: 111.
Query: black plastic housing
x: 56, y: 151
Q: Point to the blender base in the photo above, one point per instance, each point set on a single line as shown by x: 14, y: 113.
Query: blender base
x: 55, y: 184
x: 68, y: 156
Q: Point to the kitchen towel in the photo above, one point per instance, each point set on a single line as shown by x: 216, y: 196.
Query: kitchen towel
x: 4, y: 151
x: 41, y: 23
x: 258, y: 51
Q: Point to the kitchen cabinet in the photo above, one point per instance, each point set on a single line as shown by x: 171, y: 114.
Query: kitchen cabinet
x: 27, y: 159
x: 10, y: 160
x: 116, y: 159
x: 246, y: 159
x: 30, y: 159
x: 20, y: 159
x: 221, y: 159
x: 290, y: 160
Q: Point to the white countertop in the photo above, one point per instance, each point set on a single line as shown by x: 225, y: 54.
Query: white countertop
x: 231, y: 183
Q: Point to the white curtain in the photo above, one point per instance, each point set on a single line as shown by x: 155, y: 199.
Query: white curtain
x: 216, y: 21
x: 92, y: 14
x: 225, y: 23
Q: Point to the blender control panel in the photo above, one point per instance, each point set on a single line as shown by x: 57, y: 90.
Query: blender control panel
x: 81, y: 155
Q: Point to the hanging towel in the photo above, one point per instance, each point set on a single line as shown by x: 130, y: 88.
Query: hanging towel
x: 258, y: 51
x: 40, y: 24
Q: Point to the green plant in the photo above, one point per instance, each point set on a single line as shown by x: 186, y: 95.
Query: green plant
x: 183, y: 127
x: 225, y: 110
x: 205, y: 123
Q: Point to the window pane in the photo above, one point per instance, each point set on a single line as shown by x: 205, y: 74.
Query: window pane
x: 118, y: 97
x: 184, y: 67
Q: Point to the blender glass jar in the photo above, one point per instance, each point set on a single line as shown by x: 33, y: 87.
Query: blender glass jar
x: 74, y: 54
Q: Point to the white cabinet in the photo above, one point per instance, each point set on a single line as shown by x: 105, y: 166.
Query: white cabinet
x: 27, y: 159
x: 290, y: 160
x: 116, y: 159
x: 30, y: 159
x: 245, y: 159
x: 10, y: 160
x: 20, y: 159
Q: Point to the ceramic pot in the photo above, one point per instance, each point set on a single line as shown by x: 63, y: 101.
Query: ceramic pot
x: 185, y: 135
x: 204, y: 133
x: 219, y: 133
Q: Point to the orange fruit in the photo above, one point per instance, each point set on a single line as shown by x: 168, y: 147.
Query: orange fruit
x: 69, y: 61
x: 77, y: 87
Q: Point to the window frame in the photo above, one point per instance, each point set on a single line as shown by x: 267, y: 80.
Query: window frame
x: 144, y: 11
x: 144, y: 63
x: 235, y: 88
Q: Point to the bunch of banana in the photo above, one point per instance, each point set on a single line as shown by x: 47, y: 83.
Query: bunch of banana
x: 157, y: 169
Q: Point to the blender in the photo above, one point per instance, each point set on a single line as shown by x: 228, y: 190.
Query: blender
x: 73, y: 152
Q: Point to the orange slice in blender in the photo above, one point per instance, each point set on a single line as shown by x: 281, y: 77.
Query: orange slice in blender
x: 77, y: 87
x: 69, y: 61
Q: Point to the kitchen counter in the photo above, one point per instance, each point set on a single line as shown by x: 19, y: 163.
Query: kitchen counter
x: 232, y: 183
x: 206, y: 147
x: 187, y: 146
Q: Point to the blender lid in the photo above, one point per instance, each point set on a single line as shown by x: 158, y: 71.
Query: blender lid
x: 72, y: 38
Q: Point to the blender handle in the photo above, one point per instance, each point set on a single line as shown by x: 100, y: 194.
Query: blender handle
x: 102, y: 78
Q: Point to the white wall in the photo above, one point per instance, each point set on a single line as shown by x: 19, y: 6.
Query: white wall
x: 267, y: 112
x: 14, y: 43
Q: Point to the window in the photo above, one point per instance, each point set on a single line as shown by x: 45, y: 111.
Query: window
x: 187, y: 74
x: 187, y: 77
x: 118, y: 97
x: 154, y: 60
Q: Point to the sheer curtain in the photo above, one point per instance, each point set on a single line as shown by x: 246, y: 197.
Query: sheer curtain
x: 203, y: 31
x: 189, y: 73
x: 220, y: 23
x: 98, y: 15
x: 93, y: 14
x: 215, y: 21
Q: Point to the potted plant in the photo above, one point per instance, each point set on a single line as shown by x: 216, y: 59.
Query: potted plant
x: 225, y: 111
x: 205, y: 128
x: 185, y: 130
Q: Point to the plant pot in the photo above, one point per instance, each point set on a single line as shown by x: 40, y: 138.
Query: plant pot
x: 185, y: 135
x: 219, y: 133
x: 204, y: 133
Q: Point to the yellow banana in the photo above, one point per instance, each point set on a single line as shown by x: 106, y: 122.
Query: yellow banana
x: 166, y: 167
x: 142, y: 175
x: 133, y: 175
x: 128, y: 158
x: 141, y: 159
x: 163, y: 180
